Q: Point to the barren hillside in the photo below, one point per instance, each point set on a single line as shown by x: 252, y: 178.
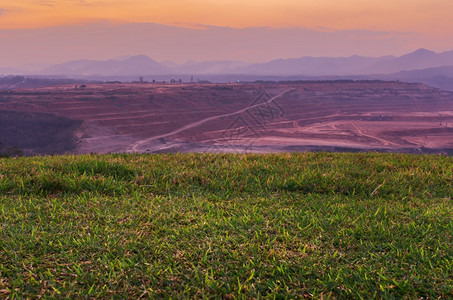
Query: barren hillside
x: 258, y: 117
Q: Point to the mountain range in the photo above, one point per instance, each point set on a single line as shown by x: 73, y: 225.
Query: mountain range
x: 422, y: 65
x: 306, y: 66
x: 130, y: 66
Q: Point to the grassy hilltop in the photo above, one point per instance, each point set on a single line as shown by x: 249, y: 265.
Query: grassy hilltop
x: 231, y: 226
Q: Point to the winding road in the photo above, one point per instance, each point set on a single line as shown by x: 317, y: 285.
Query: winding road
x: 135, y: 147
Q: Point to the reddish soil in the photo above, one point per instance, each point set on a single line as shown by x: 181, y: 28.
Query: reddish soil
x: 330, y: 116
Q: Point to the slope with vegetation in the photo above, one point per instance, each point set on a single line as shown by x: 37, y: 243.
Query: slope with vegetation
x: 237, y: 226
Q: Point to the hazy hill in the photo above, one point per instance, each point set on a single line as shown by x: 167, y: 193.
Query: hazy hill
x: 314, y: 65
x: 135, y: 65
x: 141, y: 65
x: 11, y: 71
x: 420, y: 59
x: 354, y: 65
x: 208, y: 67
x: 439, y: 77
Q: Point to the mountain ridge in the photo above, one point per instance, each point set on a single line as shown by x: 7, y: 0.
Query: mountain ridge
x: 142, y: 65
x: 134, y: 65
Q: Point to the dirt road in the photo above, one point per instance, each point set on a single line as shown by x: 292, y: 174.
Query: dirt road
x: 138, y: 146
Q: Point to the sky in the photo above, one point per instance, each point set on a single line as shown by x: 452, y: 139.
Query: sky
x: 54, y: 31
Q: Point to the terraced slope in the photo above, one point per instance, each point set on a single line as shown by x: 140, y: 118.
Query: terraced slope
x: 260, y: 117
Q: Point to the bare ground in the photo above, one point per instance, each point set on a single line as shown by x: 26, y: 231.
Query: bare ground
x: 305, y: 116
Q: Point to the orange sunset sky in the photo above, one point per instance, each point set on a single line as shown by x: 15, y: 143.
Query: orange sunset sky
x: 39, y: 30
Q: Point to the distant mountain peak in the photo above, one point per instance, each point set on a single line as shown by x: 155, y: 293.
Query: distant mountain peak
x: 421, y: 52
x: 139, y: 57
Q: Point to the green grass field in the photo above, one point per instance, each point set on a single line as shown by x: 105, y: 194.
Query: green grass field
x: 301, y: 225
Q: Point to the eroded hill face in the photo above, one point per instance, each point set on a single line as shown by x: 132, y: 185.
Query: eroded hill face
x: 355, y: 116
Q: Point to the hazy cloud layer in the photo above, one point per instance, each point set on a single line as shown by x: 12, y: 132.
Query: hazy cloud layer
x: 45, y: 2
x: 172, y: 43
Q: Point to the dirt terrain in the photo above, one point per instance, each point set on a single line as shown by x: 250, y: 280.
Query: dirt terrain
x: 255, y: 117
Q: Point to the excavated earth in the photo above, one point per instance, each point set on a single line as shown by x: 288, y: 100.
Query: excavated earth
x: 255, y: 117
